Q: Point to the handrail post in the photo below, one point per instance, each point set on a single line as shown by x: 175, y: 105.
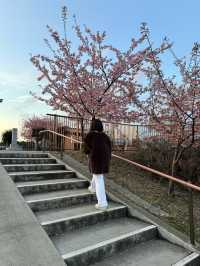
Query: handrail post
x: 61, y: 147
x: 43, y: 143
x: 191, y: 217
x: 137, y: 132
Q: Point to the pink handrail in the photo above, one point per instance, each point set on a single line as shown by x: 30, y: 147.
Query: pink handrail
x: 61, y: 135
x: 169, y: 177
x: 172, y: 178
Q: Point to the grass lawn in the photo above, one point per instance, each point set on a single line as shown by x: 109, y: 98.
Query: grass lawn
x: 153, y: 190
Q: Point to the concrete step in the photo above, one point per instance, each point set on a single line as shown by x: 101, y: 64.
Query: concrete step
x: 41, y: 175
x: 155, y: 252
x: 59, y: 199
x: 33, y: 167
x: 191, y: 260
x: 92, y: 243
x: 23, y: 155
x: 51, y: 185
x: 83, y: 235
x: 27, y: 161
x: 62, y: 220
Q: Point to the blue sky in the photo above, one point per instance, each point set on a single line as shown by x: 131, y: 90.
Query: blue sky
x: 23, y: 28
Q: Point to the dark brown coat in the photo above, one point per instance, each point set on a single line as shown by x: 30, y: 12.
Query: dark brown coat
x: 98, y: 146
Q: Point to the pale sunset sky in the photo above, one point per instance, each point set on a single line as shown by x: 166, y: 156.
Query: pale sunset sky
x: 23, y: 28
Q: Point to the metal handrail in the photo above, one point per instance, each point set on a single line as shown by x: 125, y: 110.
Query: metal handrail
x: 186, y: 184
x: 61, y: 135
x: 172, y: 178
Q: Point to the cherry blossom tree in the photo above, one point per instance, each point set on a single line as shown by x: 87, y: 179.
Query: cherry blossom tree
x: 96, y: 79
x: 33, y: 123
x: 172, y: 107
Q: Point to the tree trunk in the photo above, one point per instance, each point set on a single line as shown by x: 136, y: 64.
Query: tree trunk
x: 82, y: 129
x: 171, y: 187
x: 173, y: 168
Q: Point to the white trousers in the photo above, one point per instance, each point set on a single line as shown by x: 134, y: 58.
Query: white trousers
x: 98, y: 185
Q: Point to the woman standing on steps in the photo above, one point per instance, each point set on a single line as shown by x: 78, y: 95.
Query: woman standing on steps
x: 98, y: 146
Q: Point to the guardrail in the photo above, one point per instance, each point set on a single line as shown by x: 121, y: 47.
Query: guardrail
x: 123, y: 135
x: 189, y: 186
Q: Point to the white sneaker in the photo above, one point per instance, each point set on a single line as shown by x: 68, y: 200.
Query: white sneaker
x: 91, y: 189
x: 101, y: 208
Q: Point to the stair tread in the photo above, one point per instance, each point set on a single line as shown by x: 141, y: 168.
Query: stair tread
x: 32, y: 164
x: 155, y: 252
x: 18, y: 153
x: 26, y: 158
x: 55, y: 194
x: 40, y: 172
x: 50, y: 216
x: 92, y: 235
x: 49, y: 181
x: 23, y: 152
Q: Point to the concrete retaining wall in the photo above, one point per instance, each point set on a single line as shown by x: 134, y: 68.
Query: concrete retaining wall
x: 23, y: 242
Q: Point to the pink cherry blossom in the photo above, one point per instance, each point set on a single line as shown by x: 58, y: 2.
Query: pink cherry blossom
x: 96, y: 79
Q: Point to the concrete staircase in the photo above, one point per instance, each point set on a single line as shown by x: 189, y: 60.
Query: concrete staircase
x: 81, y: 234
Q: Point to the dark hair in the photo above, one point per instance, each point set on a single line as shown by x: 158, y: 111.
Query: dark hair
x: 96, y: 125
